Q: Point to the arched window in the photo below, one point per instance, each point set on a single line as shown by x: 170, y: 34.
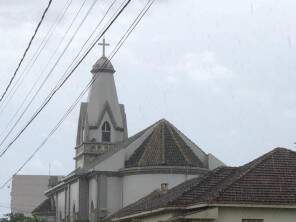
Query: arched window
x: 106, y: 132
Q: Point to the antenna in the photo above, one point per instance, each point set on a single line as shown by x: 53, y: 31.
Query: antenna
x: 49, y: 169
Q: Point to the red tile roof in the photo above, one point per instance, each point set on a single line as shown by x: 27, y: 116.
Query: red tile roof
x: 268, y: 180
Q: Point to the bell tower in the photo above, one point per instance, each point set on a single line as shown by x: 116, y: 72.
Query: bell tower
x: 102, y: 120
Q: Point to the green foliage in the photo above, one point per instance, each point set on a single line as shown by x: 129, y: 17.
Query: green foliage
x: 19, y: 218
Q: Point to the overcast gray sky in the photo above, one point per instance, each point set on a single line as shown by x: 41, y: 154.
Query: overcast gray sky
x: 223, y: 72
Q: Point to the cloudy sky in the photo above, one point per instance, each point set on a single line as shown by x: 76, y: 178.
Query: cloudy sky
x: 223, y: 72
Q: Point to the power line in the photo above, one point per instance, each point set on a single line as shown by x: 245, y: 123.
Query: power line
x: 117, y: 47
x: 50, y: 96
x: 102, y: 19
x: 27, y: 49
x: 52, y: 69
x: 33, y: 59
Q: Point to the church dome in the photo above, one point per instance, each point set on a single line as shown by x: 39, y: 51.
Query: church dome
x: 102, y: 65
x: 164, y: 147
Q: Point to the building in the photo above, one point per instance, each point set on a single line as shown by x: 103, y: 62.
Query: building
x: 263, y: 190
x: 27, y: 192
x: 114, y: 170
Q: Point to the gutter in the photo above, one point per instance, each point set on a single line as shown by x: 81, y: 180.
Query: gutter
x: 203, y: 206
x: 148, y: 212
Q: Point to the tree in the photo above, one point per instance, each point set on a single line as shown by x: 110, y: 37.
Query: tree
x: 17, y: 217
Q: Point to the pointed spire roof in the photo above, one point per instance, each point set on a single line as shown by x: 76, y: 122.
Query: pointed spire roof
x: 103, y: 64
x: 164, y: 147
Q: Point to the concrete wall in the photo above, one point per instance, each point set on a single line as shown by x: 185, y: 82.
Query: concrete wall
x: 27, y: 192
x: 60, y: 206
x: 116, y: 161
x: 103, y: 90
x: 93, y: 193
x: 114, y: 194
x: 269, y: 215
x: 74, y: 198
x: 97, y: 133
x: 138, y: 186
x: 235, y: 214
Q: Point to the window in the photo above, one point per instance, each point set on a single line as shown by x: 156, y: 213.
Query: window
x: 106, y: 132
x: 252, y: 220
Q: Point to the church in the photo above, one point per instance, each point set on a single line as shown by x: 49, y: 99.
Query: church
x: 113, y: 169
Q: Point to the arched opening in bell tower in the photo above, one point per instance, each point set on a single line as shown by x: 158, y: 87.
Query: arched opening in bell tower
x: 106, y: 132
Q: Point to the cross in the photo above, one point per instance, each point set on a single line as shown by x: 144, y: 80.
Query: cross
x: 104, y: 44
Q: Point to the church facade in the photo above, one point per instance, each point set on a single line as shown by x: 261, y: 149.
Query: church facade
x: 114, y: 170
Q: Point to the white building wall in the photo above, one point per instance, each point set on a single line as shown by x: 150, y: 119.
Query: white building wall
x: 137, y: 186
x: 116, y: 161
x: 101, y: 91
x: 113, y: 163
x: 60, y: 206
x: 97, y: 133
x: 93, y: 193
x: 114, y: 194
x: 268, y: 214
x: 74, y: 197
x: 27, y: 192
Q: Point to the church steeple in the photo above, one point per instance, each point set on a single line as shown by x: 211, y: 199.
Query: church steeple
x: 102, y: 120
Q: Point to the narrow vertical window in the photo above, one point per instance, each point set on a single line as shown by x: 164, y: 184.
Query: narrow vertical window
x: 106, y: 132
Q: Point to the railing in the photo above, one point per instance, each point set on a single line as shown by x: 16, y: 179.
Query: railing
x: 93, y: 148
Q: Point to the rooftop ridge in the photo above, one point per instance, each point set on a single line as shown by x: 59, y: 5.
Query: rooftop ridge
x: 246, y: 169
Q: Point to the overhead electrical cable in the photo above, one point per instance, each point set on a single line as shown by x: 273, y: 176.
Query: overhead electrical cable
x: 47, y: 100
x: 102, y: 19
x: 27, y: 49
x: 48, y: 74
x: 117, y: 47
x: 33, y: 59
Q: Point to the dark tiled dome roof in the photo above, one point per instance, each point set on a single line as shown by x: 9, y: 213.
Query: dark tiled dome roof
x: 164, y: 147
x: 103, y: 65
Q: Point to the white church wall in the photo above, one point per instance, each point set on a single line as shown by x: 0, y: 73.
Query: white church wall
x: 115, y: 134
x: 61, y: 206
x: 97, y: 133
x: 93, y: 193
x: 74, y: 197
x: 138, y: 186
x: 117, y: 160
x: 114, y: 194
x: 103, y: 90
x: 113, y: 163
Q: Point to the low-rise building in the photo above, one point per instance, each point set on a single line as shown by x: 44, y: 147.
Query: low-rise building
x: 263, y: 190
x: 27, y: 192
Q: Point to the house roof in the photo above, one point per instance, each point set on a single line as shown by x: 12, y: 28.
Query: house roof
x: 268, y: 180
x: 164, y: 147
x: 44, y: 207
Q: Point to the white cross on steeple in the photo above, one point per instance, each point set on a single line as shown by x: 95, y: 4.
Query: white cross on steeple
x: 104, y: 44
